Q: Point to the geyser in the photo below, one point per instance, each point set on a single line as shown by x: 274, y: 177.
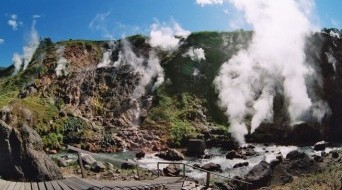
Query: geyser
x: 274, y: 63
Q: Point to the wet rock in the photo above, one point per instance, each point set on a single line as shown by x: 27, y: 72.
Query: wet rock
x: 242, y: 164
x: 233, y: 154
x: 320, y: 146
x: 140, y: 155
x: 294, y: 155
x: 87, y: 159
x: 260, y: 175
x: 274, y: 162
x: 208, y: 156
x: 98, y: 167
x: 212, y: 167
x: 61, y: 162
x: 127, y: 166
x: 318, y: 158
x: 195, y: 147
x: 171, y: 170
x: 334, y: 154
x: 171, y: 154
x: 23, y: 157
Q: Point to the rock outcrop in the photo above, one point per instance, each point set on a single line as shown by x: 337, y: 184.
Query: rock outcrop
x: 22, y: 156
x: 260, y: 175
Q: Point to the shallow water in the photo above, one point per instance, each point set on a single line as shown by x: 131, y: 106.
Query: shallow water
x: 267, y: 153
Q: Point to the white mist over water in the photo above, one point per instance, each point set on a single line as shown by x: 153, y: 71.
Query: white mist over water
x: 274, y: 63
x: 22, y: 61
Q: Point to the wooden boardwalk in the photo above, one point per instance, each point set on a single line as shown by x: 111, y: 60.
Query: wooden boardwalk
x: 73, y: 183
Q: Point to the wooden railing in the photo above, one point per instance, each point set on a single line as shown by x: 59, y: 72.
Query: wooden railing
x: 102, y: 158
x: 209, y: 173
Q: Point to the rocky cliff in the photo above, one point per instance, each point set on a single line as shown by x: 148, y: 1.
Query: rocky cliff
x: 78, y: 92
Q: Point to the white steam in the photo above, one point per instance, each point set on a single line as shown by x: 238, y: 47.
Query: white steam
x: 22, y: 61
x: 165, y: 37
x: 61, y: 69
x: 106, y: 58
x: 273, y: 63
x: 196, y: 54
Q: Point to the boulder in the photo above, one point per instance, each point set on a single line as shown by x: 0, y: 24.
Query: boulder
x: 87, y: 159
x: 294, y: 155
x: 171, y: 154
x: 274, y: 162
x: 320, y: 146
x: 242, y: 164
x: 23, y: 157
x: 98, y: 167
x: 140, y: 155
x: 61, y: 162
x: 171, y: 170
x: 195, y: 147
x: 127, y: 166
x: 334, y: 154
x: 233, y: 154
x: 259, y: 175
x: 212, y: 167
x: 318, y: 158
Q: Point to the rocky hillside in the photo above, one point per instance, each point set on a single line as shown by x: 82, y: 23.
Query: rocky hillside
x: 68, y: 99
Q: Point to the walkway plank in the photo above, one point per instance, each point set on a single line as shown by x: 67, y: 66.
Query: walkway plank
x: 18, y: 186
x: 11, y: 186
x: 34, y: 186
x: 63, y: 186
x: 4, y: 184
x: 41, y: 186
x: 77, y: 180
x: 55, y: 185
x: 73, y: 185
x: 27, y: 186
x: 48, y: 185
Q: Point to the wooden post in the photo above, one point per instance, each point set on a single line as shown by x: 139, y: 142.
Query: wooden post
x: 208, y: 180
x: 81, y: 164
x: 158, y: 169
x: 138, y: 173
x: 184, y: 170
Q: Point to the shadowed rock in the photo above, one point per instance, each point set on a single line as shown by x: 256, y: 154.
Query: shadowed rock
x: 22, y: 156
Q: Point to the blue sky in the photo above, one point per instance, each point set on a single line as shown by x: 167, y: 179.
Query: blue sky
x: 70, y: 19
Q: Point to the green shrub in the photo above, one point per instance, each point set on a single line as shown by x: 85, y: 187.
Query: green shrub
x: 181, y: 132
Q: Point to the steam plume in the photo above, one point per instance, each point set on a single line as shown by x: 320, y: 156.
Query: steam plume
x: 106, y: 58
x: 28, y: 50
x: 62, y: 63
x: 273, y: 63
x: 165, y: 37
x: 196, y: 54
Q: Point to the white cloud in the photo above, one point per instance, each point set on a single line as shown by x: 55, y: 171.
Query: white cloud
x: 13, y: 22
x: 2, y: 41
x: 36, y: 16
x: 196, y: 54
x: 166, y: 37
x: 208, y: 2
x: 99, y: 23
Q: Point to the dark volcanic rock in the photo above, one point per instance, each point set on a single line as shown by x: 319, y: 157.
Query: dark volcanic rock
x: 171, y: 170
x: 260, y: 175
x: 140, y: 155
x: 320, y: 146
x: 171, y: 154
x: 195, y: 147
x: 242, y: 164
x: 212, y: 167
x: 233, y: 154
x: 293, y: 155
x: 98, y: 167
x: 22, y: 156
x: 334, y: 154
